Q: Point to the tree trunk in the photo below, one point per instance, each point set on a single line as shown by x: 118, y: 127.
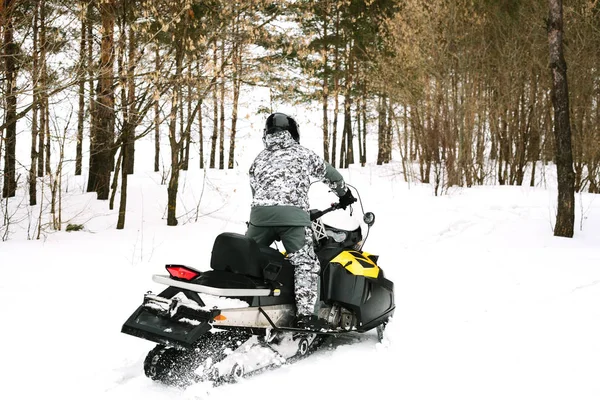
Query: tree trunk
x: 349, y: 157
x: 130, y: 123
x: 101, y: 155
x: 359, y: 129
x: 237, y: 81
x: 56, y: 188
x: 181, y: 131
x: 130, y: 99
x: 130, y: 160
x: 565, y: 218
x: 46, y: 111
x: 187, y: 138
x: 480, y: 148
x: 120, y: 77
x: 200, y: 133
x: 363, y: 160
x: 336, y: 86
x: 90, y: 73
x: 325, y: 56
x: 124, y: 174
x: 389, y: 134
x: 10, y: 69
x: 173, y: 186
x: 156, y: 115
x: 81, y: 109
x: 34, y: 114
x: 41, y: 82
x: 213, y: 139
x: 342, y: 161
x: 45, y: 125
x: 382, y: 131
x: 222, y: 111
x: 115, y: 182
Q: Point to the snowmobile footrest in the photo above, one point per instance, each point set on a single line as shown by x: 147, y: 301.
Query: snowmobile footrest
x: 294, y: 329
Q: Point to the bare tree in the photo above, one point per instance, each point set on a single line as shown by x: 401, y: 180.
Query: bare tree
x: 156, y: 113
x: 222, y: 110
x: 565, y: 218
x: 102, y: 135
x: 237, y: 82
x: 81, y: 94
x: 44, y: 148
x: 200, y: 127
x: 215, y: 132
x: 131, y: 119
x: 34, y: 117
x: 10, y: 71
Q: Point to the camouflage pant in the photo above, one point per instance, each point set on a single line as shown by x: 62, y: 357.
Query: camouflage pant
x: 306, y: 275
x: 298, y: 242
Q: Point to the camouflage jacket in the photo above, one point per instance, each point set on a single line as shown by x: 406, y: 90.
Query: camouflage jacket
x: 280, y: 178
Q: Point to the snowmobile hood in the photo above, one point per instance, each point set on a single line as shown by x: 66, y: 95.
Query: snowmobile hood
x: 278, y: 140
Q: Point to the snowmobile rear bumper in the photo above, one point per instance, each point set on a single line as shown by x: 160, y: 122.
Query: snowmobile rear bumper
x: 168, y: 322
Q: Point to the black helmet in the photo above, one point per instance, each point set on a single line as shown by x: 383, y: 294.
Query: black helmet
x: 281, y: 122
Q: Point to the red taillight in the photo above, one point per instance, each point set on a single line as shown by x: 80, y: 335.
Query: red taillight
x: 182, y: 272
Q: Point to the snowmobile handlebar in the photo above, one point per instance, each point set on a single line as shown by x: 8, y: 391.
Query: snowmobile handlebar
x: 318, y: 214
x: 368, y: 217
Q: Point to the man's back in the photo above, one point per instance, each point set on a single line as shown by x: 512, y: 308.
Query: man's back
x: 280, y: 174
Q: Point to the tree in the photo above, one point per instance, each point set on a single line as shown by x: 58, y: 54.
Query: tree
x: 156, y: 105
x: 131, y: 117
x: 565, y: 218
x: 81, y: 94
x: 215, y: 98
x: 103, y: 117
x: 44, y: 145
x: 10, y: 76
x: 34, y: 117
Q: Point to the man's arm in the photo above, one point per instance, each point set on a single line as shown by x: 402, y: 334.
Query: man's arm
x: 334, y: 179
x: 327, y: 173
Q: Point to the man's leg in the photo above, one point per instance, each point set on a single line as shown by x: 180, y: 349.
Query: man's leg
x: 298, y: 243
x: 263, y: 235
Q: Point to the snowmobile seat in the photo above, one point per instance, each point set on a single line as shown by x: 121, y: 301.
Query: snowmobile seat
x: 240, y: 254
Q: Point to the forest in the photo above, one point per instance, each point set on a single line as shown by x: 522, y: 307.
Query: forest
x: 460, y: 92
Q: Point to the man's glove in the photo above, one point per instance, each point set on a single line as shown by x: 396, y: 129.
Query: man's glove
x: 346, y: 199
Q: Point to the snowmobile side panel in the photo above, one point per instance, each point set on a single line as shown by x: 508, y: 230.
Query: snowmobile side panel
x: 256, y: 317
x: 328, y: 253
x: 378, y: 308
x: 371, y: 299
x: 357, y: 264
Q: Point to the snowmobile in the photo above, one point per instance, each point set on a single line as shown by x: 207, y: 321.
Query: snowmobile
x: 237, y: 318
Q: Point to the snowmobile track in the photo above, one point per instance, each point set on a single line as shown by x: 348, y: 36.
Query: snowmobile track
x: 182, y: 368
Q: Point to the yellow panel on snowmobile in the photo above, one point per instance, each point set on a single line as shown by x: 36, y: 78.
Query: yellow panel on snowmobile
x: 358, y: 263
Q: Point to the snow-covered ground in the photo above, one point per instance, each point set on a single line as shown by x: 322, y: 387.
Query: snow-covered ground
x: 490, y: 305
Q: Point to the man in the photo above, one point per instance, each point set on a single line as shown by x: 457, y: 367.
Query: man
x: 280, y: 180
